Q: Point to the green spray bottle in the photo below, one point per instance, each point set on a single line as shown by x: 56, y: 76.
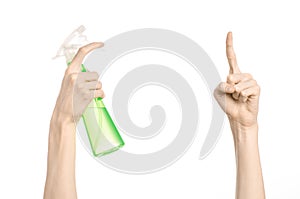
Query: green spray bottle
x: 103, y: 135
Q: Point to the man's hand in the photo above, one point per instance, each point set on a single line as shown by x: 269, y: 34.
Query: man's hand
x: 239, y: 95
x: 78, y: 88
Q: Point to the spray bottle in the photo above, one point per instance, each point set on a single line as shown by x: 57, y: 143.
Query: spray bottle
x: 102, y: 133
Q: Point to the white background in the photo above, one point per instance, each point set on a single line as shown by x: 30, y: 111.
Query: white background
x: 266, y: 37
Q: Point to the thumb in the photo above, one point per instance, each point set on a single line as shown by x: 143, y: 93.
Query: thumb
x: 75, y: 65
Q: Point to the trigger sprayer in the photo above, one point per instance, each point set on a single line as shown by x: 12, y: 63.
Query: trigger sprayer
x: 103, y: 135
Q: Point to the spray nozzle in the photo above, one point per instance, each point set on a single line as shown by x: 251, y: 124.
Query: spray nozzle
x: 72, y: 43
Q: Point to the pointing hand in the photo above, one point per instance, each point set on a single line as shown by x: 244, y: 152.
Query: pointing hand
x: 239, y: 95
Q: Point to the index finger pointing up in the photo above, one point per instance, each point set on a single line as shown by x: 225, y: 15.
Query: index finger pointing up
x: 231, y: 55
x: 82, y: 52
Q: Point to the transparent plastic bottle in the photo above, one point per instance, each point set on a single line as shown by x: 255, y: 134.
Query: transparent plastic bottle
x: 103, y: 135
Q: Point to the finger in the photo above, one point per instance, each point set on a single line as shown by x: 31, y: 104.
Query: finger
x: 224, y: 88
x: 231, y: 55
x: 251, y: 92
x: 98, y: 93
x: 242, y: 99
x: 87, y: 76
x: 240, y: 82
x: 244, y: 85
x: 236, y: 78
x: 93, y: 85
x: 236, y: 95
x: 75, y: 65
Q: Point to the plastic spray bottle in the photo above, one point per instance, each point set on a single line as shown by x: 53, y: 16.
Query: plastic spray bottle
x: 102, y: 133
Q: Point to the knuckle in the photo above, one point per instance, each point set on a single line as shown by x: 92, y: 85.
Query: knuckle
x: 220, y: 86
x: 92, y: 75
x: 215, y: 92
x: 230, y: 78
x: 84, y: 75
x: 251, y: 82
x: 258, y: 88
x: 216, y: 89
x: 96, y: 74
x: 99, y: 84
x: 243, y: 93
x: 248, y: 75
x: 99, y: 93
x: 82, y: 50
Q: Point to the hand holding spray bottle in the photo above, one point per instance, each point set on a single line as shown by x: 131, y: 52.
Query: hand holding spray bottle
x: 102, y: 133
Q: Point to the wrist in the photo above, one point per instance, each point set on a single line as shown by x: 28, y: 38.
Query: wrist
x: 244, y: 134
x: 59, y: 124
x: 60, y: 118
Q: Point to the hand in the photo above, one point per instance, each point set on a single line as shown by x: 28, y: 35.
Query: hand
x: 239, y: 95
x: 78, y: 88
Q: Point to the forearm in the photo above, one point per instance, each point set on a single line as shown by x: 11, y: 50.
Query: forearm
x: 249, y: 184
x: 60, y: 182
